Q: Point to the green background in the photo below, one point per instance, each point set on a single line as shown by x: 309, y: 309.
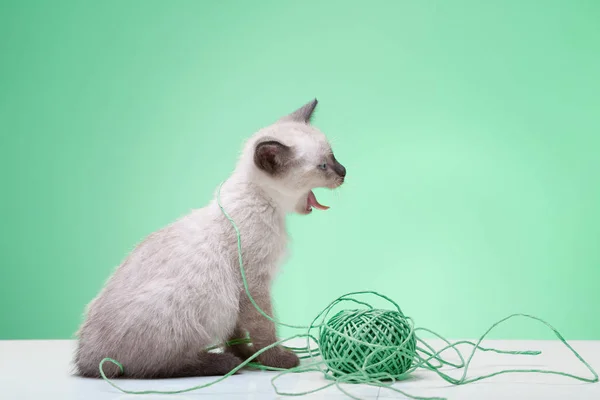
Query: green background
x: 470, y: 130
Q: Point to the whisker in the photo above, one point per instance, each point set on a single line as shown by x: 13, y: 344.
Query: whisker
x: 332, y: 140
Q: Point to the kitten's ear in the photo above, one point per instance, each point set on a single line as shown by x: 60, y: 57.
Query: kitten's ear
x: 272, y: 156
x: 302, y: 114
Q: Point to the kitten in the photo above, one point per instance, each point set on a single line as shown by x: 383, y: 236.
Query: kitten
x: 180, y: 290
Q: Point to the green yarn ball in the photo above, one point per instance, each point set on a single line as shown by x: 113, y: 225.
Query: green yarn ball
x: 378, y: 343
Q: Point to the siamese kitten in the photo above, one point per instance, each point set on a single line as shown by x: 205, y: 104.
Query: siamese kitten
x: 180, y: 290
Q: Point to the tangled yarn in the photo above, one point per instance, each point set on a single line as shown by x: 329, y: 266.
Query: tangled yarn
x: 377, y: 343
x: 376, y: 347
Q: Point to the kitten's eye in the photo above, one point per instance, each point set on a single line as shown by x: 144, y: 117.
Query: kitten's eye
x: 322, y: 166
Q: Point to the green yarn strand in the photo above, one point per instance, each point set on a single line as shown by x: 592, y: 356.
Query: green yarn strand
x: 365, y: 345
x: 243, y: 270
x: 247, y: 362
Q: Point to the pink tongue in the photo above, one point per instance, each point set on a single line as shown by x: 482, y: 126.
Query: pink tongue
x: 311, y: 201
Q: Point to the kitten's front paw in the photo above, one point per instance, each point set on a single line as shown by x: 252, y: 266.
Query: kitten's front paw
x: 242, y: 351
x: 278, y: 357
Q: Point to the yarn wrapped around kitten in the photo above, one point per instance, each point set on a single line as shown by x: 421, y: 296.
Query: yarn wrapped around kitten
x: 380, y: 344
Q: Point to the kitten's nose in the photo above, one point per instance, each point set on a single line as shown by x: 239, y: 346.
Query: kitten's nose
x: 339, y: 169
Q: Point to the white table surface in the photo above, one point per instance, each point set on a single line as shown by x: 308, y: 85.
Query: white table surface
x: 41, y: 370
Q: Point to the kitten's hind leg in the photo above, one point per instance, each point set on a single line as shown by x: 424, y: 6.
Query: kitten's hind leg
x: 111, y: 371
x: 213, y: 364
x: 202, y: 364
x: 205, y: 364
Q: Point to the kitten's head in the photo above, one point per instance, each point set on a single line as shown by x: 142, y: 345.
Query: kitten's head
x: 292, y: 157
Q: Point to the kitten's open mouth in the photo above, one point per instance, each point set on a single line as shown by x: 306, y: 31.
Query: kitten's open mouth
x: 311, y: 201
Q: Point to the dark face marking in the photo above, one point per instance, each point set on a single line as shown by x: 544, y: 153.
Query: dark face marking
x: 337, y: 167
x: 272, y: 157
